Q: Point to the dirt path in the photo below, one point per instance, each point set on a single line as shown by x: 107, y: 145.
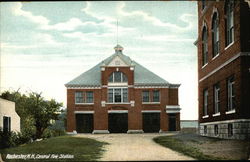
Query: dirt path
x: 134, y: 147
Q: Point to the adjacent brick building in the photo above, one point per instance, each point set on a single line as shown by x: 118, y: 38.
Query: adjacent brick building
x: 118, y: 95
x: 224, y: 68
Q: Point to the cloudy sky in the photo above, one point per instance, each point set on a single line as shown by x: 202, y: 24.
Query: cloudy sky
x: 46, y: 44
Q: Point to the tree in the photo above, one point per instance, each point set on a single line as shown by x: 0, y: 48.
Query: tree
x: 42, y: 111
x: 35, y: 107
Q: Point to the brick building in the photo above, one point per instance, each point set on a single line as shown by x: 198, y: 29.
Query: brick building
x: 224, y: 68
x: 118, y: 95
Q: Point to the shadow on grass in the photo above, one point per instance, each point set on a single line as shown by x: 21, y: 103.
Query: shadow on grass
x: 82, y: 149
x: 179, y: 146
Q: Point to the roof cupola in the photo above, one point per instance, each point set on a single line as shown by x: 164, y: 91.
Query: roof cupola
x: 118, y: 48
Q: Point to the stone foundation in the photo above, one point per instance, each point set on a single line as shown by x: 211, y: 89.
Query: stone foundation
x: 240, y: 129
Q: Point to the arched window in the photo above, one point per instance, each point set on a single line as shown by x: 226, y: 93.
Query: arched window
x: 215, y: 34
x: 229, y: 20
x: 203, y: 4
x: 204, y: 46
x: 117, y: 77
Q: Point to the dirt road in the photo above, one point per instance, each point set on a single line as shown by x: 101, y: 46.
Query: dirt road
x: 134, y: 147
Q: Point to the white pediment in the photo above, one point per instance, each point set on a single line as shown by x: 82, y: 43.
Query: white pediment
x: 117, y: 61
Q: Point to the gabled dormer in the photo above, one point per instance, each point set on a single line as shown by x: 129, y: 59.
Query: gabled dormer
x: 118, y: 69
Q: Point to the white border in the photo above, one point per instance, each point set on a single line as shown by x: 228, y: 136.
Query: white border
x: 220, y: 67
x: 117, y: 111
x: 148, y: 103
x: 226, y: 121
x: 151, y: 111
x: 217, y: 114
x: 231, y: 111
x: 84, y: 103
x: 84, y: 112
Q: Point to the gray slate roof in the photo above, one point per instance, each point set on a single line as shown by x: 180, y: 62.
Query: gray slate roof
x: 92, y: 77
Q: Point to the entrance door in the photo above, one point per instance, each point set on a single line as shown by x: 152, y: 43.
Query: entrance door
x: 118, y: 122
x: 172, y: 122
x: 151, y: 122
x: 84, y: 123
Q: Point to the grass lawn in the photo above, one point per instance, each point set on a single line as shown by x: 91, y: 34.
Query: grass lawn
x: 205, y: 148
x: 83, y: 149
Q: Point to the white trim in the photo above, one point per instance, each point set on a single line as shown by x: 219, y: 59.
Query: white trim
x: 118, y: 103
x: 215, y: 10
x: 172, y: 106
x: 84, y: 112
x: 103, y: 103
x: 226, y: 121
x: 215, y: 56
x: 204, y: 65
x: 100, y: 132
x: 206, y: 116
x: 172, y: 111
x: 144, y: 86
x: 135, y: 131
x: 97, y: 87
x: 174, y: 86
x: 84, y: 103
x: 132, y: 103
x: 132, y: 68
x: 229, y: 45
x: 217, y: 114
x: 148, y: 103
x: 118, y: 84
x: 110, y: 86
x: 231, y: 111
x: 220, y: 67
x: 151, y: 111
x: 117, y: 111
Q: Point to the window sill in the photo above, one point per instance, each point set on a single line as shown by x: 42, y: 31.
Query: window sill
x: 206, y: 116
x: 118, y: 103
x: 148, y: 103
x: 204, y: 65
x: 231, y: 111
x: 84, y: 103
x: 215, y: 56
x: 229, y: 45
x: 217, y: 114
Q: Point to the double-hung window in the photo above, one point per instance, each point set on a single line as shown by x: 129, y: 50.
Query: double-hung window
x: 231, y: 103
x: 117, y: 77
x: 84, y: 97
x: 204, y: 47
x: 205, y: 102
x: 117, y: 95
x: 79, y: 97
x: 229, y: 6
x: 215, y: 34
x: 156, y: 96
x: 145, y: 96
x: 89, y: 97
x: 217, y: 98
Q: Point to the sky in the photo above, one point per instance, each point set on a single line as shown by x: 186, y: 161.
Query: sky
x: 44, y: 45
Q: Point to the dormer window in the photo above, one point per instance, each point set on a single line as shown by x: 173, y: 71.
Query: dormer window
x: 117, y: 77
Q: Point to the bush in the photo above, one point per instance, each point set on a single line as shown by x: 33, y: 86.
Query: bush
x: 7, y: 139
x: 11, y: 139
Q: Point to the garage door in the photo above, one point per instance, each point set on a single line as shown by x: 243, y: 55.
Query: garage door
x: 151, y: 122
x: 118, y: 122
x: 84, y: 123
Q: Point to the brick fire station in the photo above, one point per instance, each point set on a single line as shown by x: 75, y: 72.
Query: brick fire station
x: 118, y: 95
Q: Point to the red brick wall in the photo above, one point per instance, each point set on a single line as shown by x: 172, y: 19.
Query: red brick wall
x: 238, y: 67
x: 167, y: 97
x: 224, y: 55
